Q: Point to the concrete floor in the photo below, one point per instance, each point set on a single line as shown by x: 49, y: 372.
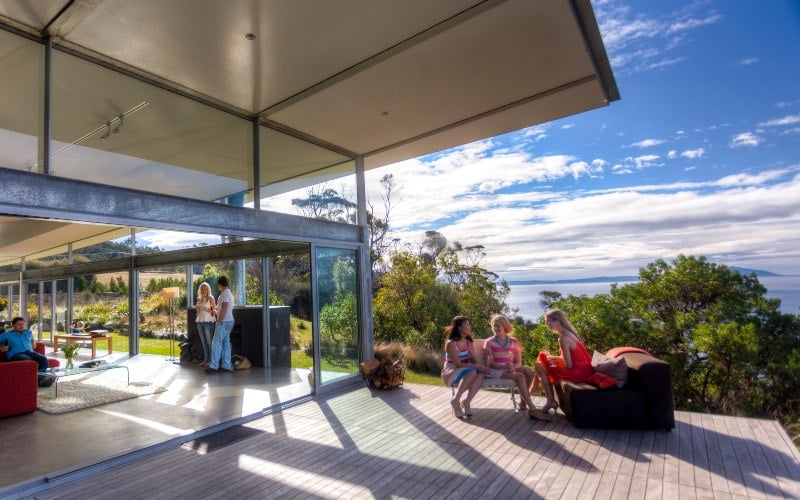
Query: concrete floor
x: 46, y: 445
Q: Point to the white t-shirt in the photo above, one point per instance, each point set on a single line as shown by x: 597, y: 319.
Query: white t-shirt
x: 226, y: 296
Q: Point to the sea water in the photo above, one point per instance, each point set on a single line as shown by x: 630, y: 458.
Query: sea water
x: 526, y: 298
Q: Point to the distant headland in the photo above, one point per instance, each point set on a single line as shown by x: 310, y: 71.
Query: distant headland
x: 625, y: 279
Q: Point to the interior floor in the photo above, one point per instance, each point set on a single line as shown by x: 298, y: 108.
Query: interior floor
x: 46, y: 445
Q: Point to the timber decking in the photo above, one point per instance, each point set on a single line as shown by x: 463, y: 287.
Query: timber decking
x: 406, y: 444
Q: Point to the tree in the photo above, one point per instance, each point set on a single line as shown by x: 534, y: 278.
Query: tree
x: 730, y: 348
x: 322, y: 202
x: 548, y: 298
x: 379, y: 243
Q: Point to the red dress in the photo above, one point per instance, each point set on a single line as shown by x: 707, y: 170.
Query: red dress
x: 581, y: 365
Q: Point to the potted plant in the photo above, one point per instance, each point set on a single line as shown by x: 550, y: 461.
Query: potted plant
x: 69, y: 352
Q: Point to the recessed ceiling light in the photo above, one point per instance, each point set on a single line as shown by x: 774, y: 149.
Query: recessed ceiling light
x: 250, y: 36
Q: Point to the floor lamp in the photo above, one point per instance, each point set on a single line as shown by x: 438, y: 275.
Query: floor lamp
x: 170, y: 294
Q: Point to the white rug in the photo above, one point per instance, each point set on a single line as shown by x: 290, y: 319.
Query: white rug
x: 76, y: 393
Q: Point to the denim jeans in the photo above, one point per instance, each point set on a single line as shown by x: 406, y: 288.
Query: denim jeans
x: 205, y: 330
x: 33, y: 356
x: 221, y: 346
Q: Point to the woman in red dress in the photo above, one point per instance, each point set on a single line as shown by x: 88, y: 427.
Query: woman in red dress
x: 573, y: 363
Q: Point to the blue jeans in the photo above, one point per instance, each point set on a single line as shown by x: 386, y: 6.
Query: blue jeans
x: 205, y: 330
x: 33, y: 356
x: 221, y: 346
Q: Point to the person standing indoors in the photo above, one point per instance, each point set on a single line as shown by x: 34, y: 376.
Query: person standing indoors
x: 573, y: 363
x: 19, y: 347
x: 221, y: 343
x: 460, y: 368
x: 206, y: 310
x: 504, y: 359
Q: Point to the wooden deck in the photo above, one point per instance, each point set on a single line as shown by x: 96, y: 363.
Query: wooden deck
x: 406, y: 444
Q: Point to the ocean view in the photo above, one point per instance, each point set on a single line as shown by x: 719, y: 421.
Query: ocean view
x: 526, y: 298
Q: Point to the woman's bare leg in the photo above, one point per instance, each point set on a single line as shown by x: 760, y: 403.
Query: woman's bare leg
x: 464, y: 384
x: 522, y: 387
x: 541, y: 371
x: 473, y: 389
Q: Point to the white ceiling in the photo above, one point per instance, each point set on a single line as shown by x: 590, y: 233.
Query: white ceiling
x: 389, y: 80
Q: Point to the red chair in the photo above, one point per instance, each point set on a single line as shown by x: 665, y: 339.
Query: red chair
x: 18, y: 387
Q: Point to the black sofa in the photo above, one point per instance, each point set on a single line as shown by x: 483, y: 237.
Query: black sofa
x: 645, y: 402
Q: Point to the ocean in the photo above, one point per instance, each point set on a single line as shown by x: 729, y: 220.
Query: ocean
x: 526, y: 298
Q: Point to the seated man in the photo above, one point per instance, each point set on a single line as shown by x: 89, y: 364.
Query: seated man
x: 19, y: 347
x: 79, y: 327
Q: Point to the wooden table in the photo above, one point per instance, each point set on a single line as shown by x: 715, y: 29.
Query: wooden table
x: 72, y: 338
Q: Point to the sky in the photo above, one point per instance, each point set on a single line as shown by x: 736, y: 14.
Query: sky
x: 700, y: 156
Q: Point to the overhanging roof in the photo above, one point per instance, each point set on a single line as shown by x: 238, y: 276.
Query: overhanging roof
x: 385, y: 79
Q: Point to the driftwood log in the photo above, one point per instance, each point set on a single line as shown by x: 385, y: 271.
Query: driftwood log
x: 384, y: 373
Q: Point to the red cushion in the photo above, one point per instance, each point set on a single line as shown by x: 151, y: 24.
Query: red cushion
x: 613, y: 353
x: 602, y: 381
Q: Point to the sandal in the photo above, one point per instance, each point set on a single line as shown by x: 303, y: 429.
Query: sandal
x: 467, y: 409
x: 551, y: 406
x: 456, y: 409
x: 523, y: 405
x: 540, y: 415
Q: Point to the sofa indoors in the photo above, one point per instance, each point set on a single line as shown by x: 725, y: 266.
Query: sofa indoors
x: 18, y: 387
x: 19, y: 383
x: 644, y: 402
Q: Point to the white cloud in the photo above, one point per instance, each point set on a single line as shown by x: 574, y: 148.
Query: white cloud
x: 672, y: 154
x: 693, y: 153
x: 567, y: 126
x: 748, y: 61
x: 692, y: 23
x: 791, y: 131
x: 647, y: 143
x: 745, y: 139
x: 585, y: 234
x: 778, y: 122
x: 634, y: 41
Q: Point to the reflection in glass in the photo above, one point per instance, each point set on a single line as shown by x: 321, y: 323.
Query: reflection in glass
x: 300, y: 178
x: 337, y: 288
x: 113, y: 129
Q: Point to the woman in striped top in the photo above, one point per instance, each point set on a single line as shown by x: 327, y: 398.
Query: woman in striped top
x: 504, y: 358
x: 460, y: 368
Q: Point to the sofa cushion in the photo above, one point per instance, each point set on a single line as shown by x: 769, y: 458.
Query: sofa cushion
x: 614, y: 367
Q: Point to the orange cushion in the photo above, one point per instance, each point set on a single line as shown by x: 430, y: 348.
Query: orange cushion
x: 613, y: 353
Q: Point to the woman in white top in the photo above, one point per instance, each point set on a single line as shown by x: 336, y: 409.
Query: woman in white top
x: 206, y: 317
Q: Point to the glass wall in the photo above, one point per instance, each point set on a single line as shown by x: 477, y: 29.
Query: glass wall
x: 21, y: 103
x: 113, y: 129
x: 300, y: 178
x: 337, y: 289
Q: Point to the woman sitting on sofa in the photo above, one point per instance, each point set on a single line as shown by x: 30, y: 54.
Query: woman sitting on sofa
x: 573, y: 363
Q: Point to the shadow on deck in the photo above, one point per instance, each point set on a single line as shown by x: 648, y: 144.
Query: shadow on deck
x: 406, y: 444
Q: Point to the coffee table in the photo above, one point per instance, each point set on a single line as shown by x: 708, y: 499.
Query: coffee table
x: 60, y: 373
x: 72, y: 338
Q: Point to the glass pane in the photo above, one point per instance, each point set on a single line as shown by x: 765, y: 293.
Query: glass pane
x: 337, y: 289
x: 21, y: 102
x: 162, y: 321
x: 113, y: 129
x: 300, y: 178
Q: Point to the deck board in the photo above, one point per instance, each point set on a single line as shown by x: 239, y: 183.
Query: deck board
x: 406, y: 444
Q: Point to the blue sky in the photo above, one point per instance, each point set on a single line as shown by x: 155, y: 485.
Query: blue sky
x: 701, y: 155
